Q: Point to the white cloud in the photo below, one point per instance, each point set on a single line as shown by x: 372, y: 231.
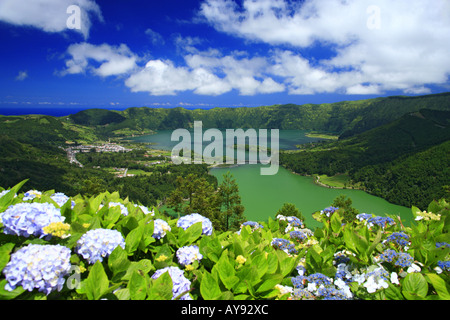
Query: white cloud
x: 163, y: 78
x: 22, y: 75
x: 381, y: 45
x: 205, y: 73
x: 112, y: 60
x: 49, y: 15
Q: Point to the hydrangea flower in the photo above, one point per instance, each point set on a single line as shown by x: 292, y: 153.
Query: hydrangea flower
x: 444, y: 265
x: 58, y: 229
x: 187, y: 221
x: 254, y: 225
x: 179, y: 281
x: 25, y: 219
x: 329, y: 211
x: 160, y: 229
x: 376, y: 280
x: 284, y: 245
x: 404, y: 260
x: 41, y: 267
x: 389, y: 256
x: 31, y: 194
x: 60, y: 199
x: 383, y: 222
x: 297, y: 235
x: 399, y: 238
x: 123, y: 209
x: 426, y: 216
x: 318, y: 285
x: 97, y: 244
x: 363, y: 217
x: 401, y: 259
x: 341, y: 257
x: 442, y: 244
x: 188, y: 254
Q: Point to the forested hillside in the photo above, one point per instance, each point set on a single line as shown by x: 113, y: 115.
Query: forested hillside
x: 405, y: 161
x: 346, y: 118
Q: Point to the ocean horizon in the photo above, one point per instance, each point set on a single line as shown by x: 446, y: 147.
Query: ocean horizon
x: 66, y: 111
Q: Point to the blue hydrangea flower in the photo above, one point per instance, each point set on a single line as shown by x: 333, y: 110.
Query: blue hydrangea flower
x: 389, y: 255
x: 442, y: 244
x: 254, y: 225
x: 188, y: 254
x: 25, y: 219
x: 399, y: 238
x: 383, y: 222
x: 123, y: 209
x: 297, y: 235
x: 404, y: 260
x: 444, y: 265
x: 329, y: 211
x: 41, y: 267
x: 61, y: 199
x: 160, y: 229
x: 31, y: 194
x: 363, y: 216
x: 187, y: 221
x: 97, y: 244
x: 284, y: 245
x: 179, y: 281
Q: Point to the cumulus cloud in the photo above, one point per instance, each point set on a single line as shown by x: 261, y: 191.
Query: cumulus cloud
x: 205, y: 74
x: 102, y: 60
x: 49, y: 15
x: 374, y: 45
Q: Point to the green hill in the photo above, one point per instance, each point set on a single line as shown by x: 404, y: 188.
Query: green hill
x: 347, y: 118
x: 405, y: 161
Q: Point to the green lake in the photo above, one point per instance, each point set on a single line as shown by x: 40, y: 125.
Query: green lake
x: 262, y: 196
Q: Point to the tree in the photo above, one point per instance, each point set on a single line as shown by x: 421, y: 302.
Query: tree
x: 290, y: 210
x: 342, y: 202
x: 232, y: 211
x: 196, y: 195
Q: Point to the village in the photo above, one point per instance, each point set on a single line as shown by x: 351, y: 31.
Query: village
x: 114, y: 147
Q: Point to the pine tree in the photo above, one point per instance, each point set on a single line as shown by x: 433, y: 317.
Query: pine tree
x: 232, y: 211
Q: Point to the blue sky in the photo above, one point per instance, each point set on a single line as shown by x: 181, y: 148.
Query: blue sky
x: 214, y: 53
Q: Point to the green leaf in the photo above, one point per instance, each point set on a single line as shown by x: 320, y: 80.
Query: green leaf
x: 97, y: 283
x: 6, y: 200
x: 137, y: 286
x: 9, y: 295
x: 94, y: 203
x: 336, y: 223
x: 118, y: 260
x: 348, y: 238
x: 439, y: 285
x: 133, y: 239
x: 161, y: 288
x: 191, y: 234
x: 209, y: 288
x: 393, y: 293
x: 226, y: 271
x: 415, y: 284
x: 5, y: 251
x: 269, y: 283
